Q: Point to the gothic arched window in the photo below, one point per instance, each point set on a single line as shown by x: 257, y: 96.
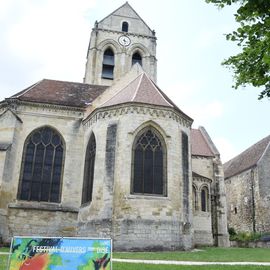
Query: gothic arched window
x: 136, y: 58
x: 149, y: 163
x: 125, y: 27
x: 204, y: 199
x: 89, y: 167
x: 42, y: 166
x: 108, y: 64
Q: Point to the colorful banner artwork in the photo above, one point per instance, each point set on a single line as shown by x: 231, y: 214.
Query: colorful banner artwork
x: 34, y: 253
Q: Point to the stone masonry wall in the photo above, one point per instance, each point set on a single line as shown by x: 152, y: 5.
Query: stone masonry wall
x: 138, y: 221
x: 262, y: 193
x: 68, y: 124
x: 239, y: 201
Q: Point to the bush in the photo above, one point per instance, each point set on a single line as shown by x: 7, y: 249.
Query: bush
x: 245, y: 236
x: 231, y: 232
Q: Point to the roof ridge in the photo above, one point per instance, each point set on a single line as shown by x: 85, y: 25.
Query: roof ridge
x: 138, y: 86
x: 158, y: 90
x: 249, y: 148
x: 120, y: 91
x: 26, y: 90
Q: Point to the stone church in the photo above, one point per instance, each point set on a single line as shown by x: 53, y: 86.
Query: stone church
x: 112, y: 156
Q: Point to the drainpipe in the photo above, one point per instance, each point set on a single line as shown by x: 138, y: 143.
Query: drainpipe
x: 253, y: 202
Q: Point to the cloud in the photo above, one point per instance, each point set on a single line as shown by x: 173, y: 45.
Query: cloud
x: 203, y: 113
x: 42, y: 39
x: 226, y: 148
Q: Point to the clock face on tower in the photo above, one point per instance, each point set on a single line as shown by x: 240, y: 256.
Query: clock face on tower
x: 124, y: 40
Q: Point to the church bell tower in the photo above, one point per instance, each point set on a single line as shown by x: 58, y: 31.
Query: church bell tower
x: 117, y: 42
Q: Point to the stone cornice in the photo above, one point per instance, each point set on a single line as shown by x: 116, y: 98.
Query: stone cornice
x: 136, y: 108
x: 42, y: 206
x: 124, y: 33
x: 18, y: 106
x: 202, y: 157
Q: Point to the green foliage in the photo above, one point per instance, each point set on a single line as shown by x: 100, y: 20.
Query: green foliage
x: 252, y: 65
x: 245, y: 236
x: 231, y: 232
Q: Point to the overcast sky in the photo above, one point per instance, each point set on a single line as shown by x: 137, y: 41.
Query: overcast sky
x: 49, y: 39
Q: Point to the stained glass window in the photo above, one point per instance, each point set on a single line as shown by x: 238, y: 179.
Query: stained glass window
x: 89, y: 170
x: 149, y: 158
x: 42, y: 166
x: 204, y: 199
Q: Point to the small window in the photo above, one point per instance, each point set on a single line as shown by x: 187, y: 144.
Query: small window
x: 194, y: 199
x: 108, y: 64
x: 125, y: 27
x: 136, y: 58
x: 89, y: 167
x: 42, y: 166
x: 204, y: 199
x: 235, y: 210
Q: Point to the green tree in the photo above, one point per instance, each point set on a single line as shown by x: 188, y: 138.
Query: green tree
x: 252, y: 65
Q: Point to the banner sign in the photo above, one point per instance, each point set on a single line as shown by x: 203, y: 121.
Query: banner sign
x: 36, y: 253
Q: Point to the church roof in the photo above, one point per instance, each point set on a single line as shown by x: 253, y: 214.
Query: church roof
x: 61, y: 93
x: 246, y: 159
x: 140, y: 90
x: 201, y: 144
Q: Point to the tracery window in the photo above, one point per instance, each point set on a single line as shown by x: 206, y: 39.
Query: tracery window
x: 136, y: 58
x: 42, y: 166
x: 204, y: 199
x: 108, y: 64
x: 89, y: 170
x: 125, y: 27
x: 149, y: 163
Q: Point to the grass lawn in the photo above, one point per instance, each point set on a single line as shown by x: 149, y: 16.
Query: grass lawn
x: 205, y: 255
x: 127, y: 266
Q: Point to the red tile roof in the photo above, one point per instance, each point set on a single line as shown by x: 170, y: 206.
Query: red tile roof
x: 246, y: 159
x: 61, y: 93
x: 199, y: 145
x: 142, y: 90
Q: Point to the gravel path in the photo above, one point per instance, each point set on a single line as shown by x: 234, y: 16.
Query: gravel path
x: 189, y: 263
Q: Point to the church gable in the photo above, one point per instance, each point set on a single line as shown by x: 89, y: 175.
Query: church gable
x: 125, y: 13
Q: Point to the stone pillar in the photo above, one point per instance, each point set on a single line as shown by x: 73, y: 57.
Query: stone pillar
x: 220, y: 218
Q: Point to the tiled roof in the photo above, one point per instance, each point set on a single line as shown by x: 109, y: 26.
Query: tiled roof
x: 141, y: 90
x: 61, y: 93
x: 199, y: 145
x: 246, y: 159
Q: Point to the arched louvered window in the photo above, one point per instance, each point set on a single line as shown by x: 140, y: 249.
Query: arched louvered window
x: 108, y: 64
x: 42, y: 166
x: 204, y: 199
x: 149, y: 163
x: 89, y: 168
x: 125, y: 27
x: 136, y: 58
